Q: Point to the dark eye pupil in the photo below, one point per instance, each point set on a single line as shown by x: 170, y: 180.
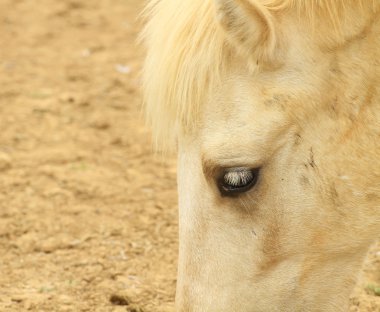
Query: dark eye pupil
x: 238, y: 180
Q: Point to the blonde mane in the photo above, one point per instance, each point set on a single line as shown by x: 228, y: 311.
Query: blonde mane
x: 188, y: 51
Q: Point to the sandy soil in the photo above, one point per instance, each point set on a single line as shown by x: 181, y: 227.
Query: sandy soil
x: 88, y: 218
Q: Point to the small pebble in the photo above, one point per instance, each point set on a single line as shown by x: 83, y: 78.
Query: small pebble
x: 123, y: 69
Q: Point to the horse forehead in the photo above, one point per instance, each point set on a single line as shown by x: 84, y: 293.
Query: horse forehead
x: 242, y: 111
x: 234, y: 101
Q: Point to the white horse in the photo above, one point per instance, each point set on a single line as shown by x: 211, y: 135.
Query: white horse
x: 274, y: 108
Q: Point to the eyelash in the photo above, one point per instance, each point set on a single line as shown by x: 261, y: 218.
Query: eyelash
x: 234, y: 181
x: 238, y: 178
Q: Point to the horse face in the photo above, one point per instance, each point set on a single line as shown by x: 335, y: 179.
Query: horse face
x: 274, y: 215
x: 277, y: 194
x: 260, y: 229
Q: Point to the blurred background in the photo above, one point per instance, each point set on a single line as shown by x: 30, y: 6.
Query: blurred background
x: 88, y: 215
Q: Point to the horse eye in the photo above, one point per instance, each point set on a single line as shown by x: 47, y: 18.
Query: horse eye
x: 237, y: 180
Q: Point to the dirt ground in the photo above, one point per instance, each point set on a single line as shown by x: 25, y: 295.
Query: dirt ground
x: 88, y: 216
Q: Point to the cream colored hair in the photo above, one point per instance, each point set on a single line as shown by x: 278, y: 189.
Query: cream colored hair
x: 188, y: 51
